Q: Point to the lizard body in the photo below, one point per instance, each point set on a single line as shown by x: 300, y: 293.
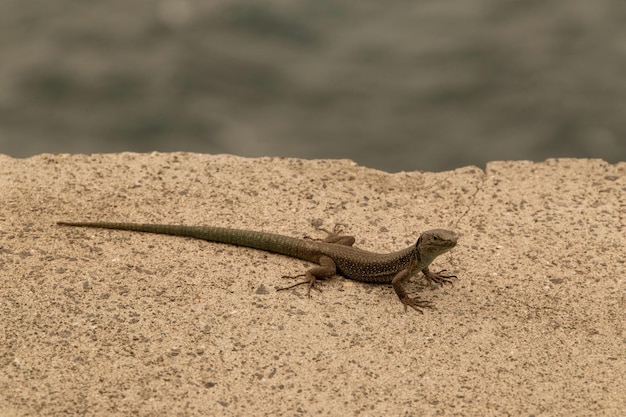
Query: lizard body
x: 335, y: 254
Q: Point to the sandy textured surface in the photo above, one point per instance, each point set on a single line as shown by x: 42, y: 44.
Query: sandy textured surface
x: 100, y: 322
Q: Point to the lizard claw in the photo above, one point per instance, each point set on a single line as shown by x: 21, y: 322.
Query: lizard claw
x: 335, y: 232
x: 440, y: 278
x: 416, y: 304
x: 337, y: 229
x: 310, y: 282
x: 335, y: 236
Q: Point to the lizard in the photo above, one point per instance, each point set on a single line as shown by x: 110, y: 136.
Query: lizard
x: 334, y: 254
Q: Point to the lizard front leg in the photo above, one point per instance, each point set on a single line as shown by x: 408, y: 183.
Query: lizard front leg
x: 326, y: 269
x: 399, y: 282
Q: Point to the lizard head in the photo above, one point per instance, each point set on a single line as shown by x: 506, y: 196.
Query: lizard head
x: 433, y: 243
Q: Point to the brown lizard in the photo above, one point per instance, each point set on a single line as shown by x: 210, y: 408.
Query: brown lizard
x: 335, y: 254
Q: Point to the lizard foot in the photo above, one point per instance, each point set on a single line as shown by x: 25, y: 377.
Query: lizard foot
x: 416, y: 304
x: 335, y: 236
x: 336, y: 231
x: 310, y: 281
x: 440, y: 278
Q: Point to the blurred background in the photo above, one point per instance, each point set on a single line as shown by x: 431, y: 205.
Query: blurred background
x: 395, y: 85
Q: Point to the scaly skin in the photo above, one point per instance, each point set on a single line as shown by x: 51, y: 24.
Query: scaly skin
x: 335, y: 254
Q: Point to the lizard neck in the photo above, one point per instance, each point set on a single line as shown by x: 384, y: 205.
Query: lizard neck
x: 422, y: 259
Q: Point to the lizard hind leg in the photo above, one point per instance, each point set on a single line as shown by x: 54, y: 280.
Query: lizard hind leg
x: 309, y: 280
x: 336, y: 237
x: 326, y: 269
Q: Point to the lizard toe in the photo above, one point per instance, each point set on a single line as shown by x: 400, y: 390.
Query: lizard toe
x: 441, y: 278
x: 416, y: 304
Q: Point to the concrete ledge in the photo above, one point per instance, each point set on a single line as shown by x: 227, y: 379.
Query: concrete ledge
x: 118, y: 323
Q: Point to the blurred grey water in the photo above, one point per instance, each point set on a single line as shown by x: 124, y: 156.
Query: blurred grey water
x: 397, y: 85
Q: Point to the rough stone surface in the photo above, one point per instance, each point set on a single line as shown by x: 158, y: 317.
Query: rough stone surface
x: 100, y: 322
